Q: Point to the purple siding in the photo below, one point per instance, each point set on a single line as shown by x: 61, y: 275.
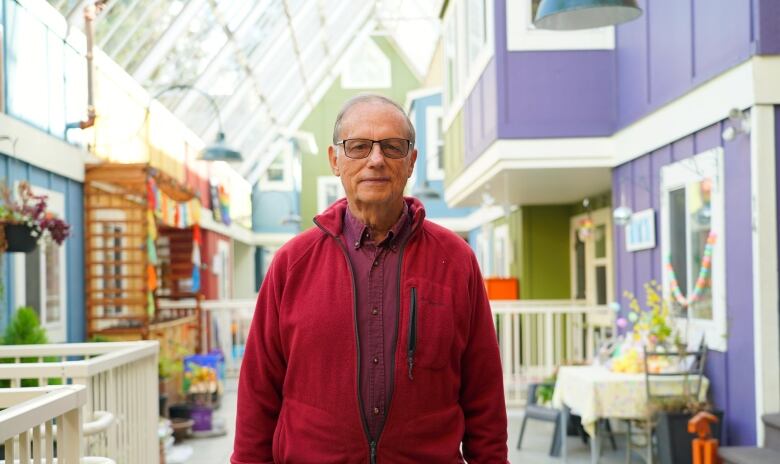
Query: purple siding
x: 553, y: 94
x: 731, y: 373
x: 675, y: 46
x: 767, y: 21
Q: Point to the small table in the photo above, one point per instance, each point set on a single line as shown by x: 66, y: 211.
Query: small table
x: 594, y: 392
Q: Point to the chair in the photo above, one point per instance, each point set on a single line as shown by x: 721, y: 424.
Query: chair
x: 540, y: 412
x: 687, y: 366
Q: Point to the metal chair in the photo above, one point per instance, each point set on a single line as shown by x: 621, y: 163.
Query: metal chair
x: 534, y: 410
x: 688, y: 367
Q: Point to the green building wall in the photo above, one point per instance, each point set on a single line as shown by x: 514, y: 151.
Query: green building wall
x: 320, y: 123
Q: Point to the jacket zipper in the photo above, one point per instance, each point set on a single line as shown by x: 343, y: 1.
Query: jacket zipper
x: 412, y: 339
x: 372, y: 444
x: 371, y: 441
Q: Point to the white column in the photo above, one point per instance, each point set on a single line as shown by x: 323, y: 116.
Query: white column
x: 765, y: 275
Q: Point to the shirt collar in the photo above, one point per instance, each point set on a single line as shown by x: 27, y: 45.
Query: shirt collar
x: 357, y: 233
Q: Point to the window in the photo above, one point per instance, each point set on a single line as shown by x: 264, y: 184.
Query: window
x: 434, y: 145
x: 40, y: 277
x: 502, y: 251
x: 693, y: 245
x: 468, y: 47
x: 367, y: 68
x: 280, y: 173
x: 329, y: 189
x: 523, y: 36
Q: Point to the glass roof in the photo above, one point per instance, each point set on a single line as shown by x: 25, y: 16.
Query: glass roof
x: 266, y: 63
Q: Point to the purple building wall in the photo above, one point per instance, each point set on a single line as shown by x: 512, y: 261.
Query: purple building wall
x: 731, y: 373
x: 552, y: 94
x: 677, y: 45
x: 766, y: 22
x: 480, y: 123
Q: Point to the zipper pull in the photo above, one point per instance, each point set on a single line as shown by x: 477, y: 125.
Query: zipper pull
x: 412, y: 342
x: 373, y: 452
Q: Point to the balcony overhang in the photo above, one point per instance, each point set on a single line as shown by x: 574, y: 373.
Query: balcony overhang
x: 535, y: 171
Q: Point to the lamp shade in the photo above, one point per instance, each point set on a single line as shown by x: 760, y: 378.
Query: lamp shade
x: 584, y: 14
x: 425, y: 192
x: 218, y: 151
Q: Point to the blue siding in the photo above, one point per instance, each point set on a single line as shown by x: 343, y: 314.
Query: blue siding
x: 269, y: 208
x: 12, y: 171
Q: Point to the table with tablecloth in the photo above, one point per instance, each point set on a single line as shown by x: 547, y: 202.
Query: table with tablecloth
x: 594, y: 392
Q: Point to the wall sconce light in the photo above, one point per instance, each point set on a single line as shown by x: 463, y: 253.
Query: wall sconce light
x: 739, y: 123
x: 622, y: 215
x: 424, y: 191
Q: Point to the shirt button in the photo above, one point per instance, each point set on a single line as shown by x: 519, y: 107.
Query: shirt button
x: 375, y: 360
x: 376, y: 411
x: 375, y: 311
x: 376, y: 262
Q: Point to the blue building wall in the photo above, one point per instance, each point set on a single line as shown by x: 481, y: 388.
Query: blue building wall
x: 434, y: 208
x: 12, y: 171
x: 271, y: 207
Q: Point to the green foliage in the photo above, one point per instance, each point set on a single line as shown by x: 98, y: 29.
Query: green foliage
x: 166, y: 367
x: 25, y: 329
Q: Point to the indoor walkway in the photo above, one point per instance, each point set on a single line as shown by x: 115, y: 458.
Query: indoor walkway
x: 536, y: 442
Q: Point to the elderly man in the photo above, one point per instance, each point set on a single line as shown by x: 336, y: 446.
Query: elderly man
x: 372, y: 339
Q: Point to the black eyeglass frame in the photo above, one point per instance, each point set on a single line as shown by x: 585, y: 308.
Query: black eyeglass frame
x: 409, y: 146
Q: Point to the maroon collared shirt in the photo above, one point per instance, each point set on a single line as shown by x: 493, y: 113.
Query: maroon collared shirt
x: 377, y: 277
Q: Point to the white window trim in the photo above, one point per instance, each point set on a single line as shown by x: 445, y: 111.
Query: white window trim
x: 472, y: 71
x: 501, y: 234
x: 678, y: 175
x: 322, y: 183
x: 351, y: 78
x: 58, y: 331
x: 289, y: 165
x: 432, y: 143
x: 521, y: 35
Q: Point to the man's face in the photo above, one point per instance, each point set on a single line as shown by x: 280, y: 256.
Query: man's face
x: 375, y: 180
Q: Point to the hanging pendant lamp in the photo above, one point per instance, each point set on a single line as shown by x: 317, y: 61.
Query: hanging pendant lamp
x: 566, y: 15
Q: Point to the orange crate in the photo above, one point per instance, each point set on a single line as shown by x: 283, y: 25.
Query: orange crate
x: 499, y: 288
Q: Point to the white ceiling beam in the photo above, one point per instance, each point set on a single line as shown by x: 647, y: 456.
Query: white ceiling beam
x: 164, y: 45
x: 117, y: 23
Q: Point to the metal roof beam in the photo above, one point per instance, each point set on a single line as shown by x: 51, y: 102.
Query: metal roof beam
x: 117, y: 23
x: 161, y: 48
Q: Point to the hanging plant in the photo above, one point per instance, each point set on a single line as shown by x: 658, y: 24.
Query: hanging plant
x: 24, y: 220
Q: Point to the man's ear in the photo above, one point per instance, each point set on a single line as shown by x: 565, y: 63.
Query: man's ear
x: 333, y: 158
x: 412, y: 160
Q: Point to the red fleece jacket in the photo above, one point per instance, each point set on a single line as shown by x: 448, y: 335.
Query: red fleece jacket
x: 298, y: 389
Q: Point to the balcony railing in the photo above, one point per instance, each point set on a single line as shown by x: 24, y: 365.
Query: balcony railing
x: 535, y: 336
x: 120, y: 381
x: 35, y: 409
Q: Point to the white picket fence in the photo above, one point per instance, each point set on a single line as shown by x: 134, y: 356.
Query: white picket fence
x: 121, y: 393
x: 536, y: 336
x: 27, y: 427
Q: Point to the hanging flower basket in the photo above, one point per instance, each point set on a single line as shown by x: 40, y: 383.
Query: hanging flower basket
x: 19, y: 238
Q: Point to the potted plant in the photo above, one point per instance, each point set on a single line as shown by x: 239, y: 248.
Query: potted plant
x: 24, y: 220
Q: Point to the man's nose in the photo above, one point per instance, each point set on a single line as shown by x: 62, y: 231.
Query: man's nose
x: 375, y: 156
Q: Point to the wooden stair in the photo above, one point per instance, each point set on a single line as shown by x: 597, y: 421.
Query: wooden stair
x: 769, y: 454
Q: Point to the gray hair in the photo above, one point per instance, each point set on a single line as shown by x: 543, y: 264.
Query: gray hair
x: 367, y: 98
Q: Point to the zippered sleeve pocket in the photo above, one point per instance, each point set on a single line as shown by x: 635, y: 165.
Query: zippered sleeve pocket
x: 430, y: 329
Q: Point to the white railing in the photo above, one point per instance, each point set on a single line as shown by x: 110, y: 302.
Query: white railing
x: 120, y: 380
x: 226, y: 325
x: 536, y: 336
x: 35, y: 410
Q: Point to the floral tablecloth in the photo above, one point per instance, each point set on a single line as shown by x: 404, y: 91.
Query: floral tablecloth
x: 594, y: 392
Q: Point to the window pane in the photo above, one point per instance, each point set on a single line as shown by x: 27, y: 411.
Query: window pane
x: 699, y: 219
x: 601, y: 285
x: 27, y: 69
x: 32, y: 281
x: 601, y: 241
x: 678, y: 249
x: 53, y: 291
x: 579, y: 253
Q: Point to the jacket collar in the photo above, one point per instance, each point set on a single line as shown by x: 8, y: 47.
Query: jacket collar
x: 332, y: 219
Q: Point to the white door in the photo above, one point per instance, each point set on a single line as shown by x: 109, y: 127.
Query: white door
x: 591, y: 263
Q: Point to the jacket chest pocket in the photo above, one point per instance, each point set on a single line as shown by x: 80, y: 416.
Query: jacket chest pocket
x: 430, y: 326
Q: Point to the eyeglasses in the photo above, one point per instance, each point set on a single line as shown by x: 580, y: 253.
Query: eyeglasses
x: 391, y: 148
